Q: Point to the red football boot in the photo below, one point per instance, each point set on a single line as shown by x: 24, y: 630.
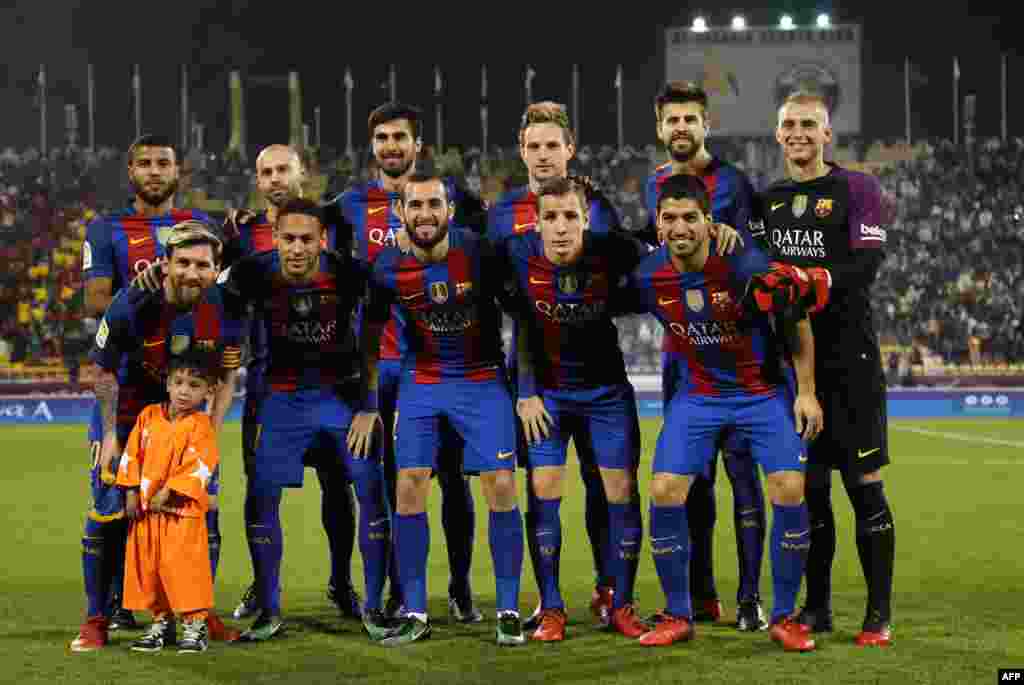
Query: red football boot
x: 552, y: 626
x: 601, y: 605
x: 791, y: 636
x: 218, y: 631
x: 91, y: 636
x: 707, y: 611
x: 672, y: 629
x: 624, y: 620
x: 874, y: 638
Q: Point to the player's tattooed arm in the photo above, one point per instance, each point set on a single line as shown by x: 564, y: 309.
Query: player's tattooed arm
x: 809, y: 416
x: 106, y: 391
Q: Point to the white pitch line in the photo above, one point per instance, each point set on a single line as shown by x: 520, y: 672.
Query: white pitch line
x: 962, y: 437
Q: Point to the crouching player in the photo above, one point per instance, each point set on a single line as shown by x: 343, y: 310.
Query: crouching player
x: 170, y: 457
x: 729, y: 365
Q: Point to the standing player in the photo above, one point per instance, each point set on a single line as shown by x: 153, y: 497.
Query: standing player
x: 572, y: 384
x: 305, y: 298
x: 118, y: 246
x: 824, y: 216
x: 546, y: 145
x: 279, y: 176
x: 452, y: 375
x: 370, y: 208
x: 681, y: 112
x: 137, y: 336
x: 730, y: 381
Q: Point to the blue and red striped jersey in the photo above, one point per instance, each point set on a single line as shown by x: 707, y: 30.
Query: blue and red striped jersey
x: 453, y: 324
x: 371, y: 212
x: 515, y: 213
x: 713, y: 348
x: 732, y: 195
x: 121, y: 245
x: 574, y: 343
x: 310, y: 340
x: 140, y: 332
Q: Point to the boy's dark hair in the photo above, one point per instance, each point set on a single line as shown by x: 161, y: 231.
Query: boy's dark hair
x: 151, y: 140
x: 685, y: 187
x: 390, y: 111
x: 199, y: 363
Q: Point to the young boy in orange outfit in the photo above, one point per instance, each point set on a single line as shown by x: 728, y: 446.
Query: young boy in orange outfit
x: 169, y: 457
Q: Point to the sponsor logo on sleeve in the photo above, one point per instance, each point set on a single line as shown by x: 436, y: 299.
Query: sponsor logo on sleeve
x: 872, y: 233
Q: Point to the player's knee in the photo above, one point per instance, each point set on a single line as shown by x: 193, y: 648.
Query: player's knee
x: 785, y: 488
x: 618, y: 485
x: 872, y: 477
x: 500, y: 488
x: 670, y: 489
x: 547, y: 481
x: 413, y: 486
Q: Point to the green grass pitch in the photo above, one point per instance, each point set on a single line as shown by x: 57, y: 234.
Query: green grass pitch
x: 956, y: 490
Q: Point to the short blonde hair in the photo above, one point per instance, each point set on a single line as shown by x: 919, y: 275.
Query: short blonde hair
x: 546, y: 112
x: 806, y: 97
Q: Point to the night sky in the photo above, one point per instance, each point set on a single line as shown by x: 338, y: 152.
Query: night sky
x: 214, y: 37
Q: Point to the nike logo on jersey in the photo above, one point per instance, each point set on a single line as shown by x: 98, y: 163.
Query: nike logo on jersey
x: 862, y: 453
x: 409, y: 297
x: 137, y: 241
x: 505, y: 455
x: 776, y: 205
x: 376, y: 210
x: 798, y: 534
x: 663, y: 302
x: 522, y: 227
x: 539, y: 281
x: 155, y: 343
x: 802, y: 458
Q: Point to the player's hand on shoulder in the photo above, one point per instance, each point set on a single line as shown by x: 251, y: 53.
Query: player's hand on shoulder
x: 728, y: 238
x: 152, y: 278
x: 537, y: 422
x: 360, y: 433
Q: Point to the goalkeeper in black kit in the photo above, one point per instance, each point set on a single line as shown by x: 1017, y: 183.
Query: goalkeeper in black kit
x: 824, y: 227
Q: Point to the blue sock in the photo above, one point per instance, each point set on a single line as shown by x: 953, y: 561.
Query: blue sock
x: 790, y: 542
x: 530, y: 523
x: 337, y: 514
x: 750, y: 523
x: 458, y: 517
x: 670, y: 546
x: 97, y: 581
x: 266, y: 545
x: 625, y: 536
x: 548, y: 546
x: 412, y: 545
x: 596, y: 516
x: 701, y: 515
x: 213, y: 540
x: 505, y: 530
x: 115, y: 541
x: 374, y: 536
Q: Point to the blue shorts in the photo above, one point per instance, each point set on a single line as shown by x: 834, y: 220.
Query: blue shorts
x: 290, y: 423
x: 479, y: 412
x: 694, y: 425
x: 604, y: 419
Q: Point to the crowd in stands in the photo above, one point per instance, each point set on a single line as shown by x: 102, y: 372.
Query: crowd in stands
x: 950, y: 291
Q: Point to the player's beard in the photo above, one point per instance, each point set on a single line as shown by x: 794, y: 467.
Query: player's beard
x: 428, y: 243
x: 155, y: 198
x: 299, y: 269
x: 395, y: 171
x: 683, y: 155
x: 279, y: 197
x: 184, y: 295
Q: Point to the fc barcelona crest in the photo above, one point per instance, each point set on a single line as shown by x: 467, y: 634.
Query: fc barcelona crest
x: 179, y: 343
x: 695, y: 300
x: 799, y: 205
x: 568, y: 283
x: 303, y: 305
x: 823, y: 208
x: 439, y: 292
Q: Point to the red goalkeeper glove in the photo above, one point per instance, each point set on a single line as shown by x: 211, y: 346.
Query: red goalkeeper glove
x: 812, y: 284
x: 785, y: 288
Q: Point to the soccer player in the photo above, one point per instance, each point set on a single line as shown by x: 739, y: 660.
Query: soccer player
x: 730, y: 381
x: 305, y: 297
x: 371, y: 209
x: 824, y: 216
x: 168, y: 459
x: 547, y: 145
x: 452, y: 375
x: 279, y: 176
x: 137, y: 336
x: 572, y: 384
x: 681, y: 114
x: 118, y: 246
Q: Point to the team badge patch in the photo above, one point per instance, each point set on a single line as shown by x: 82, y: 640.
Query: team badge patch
x: 695, y: 300
x: 823, y: 208
x: 799, y: 205
x: 206, y: 345
x: 463, y: 288
x: 439, y: 292
x: 179, y: 343
x: 86, y: 256
x: 303, y: 305
x: 102, y: 333
x: 568, y: 283
x: 721, y: 300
